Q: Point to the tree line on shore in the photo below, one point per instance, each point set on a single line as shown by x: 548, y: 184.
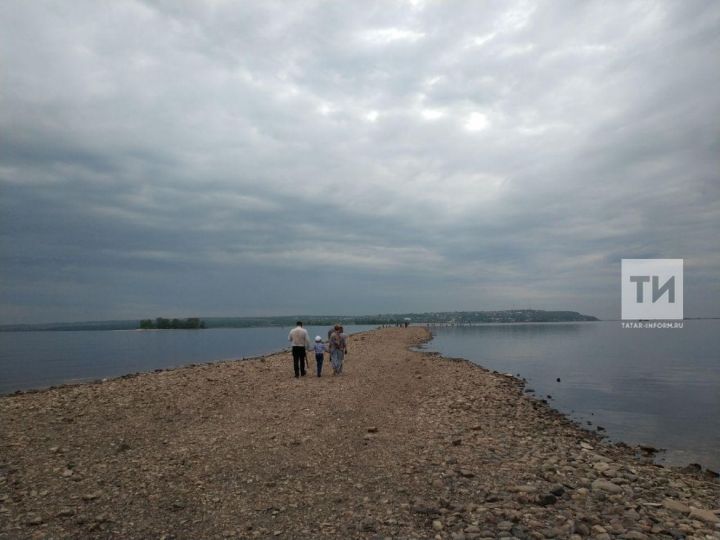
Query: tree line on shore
x: 160, y: 323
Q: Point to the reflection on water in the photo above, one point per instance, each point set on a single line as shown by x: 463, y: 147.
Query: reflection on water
x: 659, y: 387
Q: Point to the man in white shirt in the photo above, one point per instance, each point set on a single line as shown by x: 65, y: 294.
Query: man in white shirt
x: 300, y: 343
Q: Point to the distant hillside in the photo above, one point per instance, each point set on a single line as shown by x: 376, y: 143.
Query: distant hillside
x: 439, y: 317
x: 475, y: 317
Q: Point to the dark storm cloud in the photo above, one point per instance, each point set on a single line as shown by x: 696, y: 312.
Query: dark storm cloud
x: 184, y: 158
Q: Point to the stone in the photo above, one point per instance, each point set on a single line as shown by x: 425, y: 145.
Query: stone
x: 92, y: 496
x: 372, y: 429
x: 33, y: 519
x: 676, y: 506
x: 437, y: 525
x: 547, y: 499
x: 635, y: 535
x: 605, y: 485
x: 703, y: 515
x: 505, y: 525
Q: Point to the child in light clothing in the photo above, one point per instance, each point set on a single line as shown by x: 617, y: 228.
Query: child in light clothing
x: 319, y: 354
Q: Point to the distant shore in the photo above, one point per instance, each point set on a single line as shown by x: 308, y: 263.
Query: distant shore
x: 404, y: 444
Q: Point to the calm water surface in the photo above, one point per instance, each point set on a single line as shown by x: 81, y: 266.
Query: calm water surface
x: 659, y: 387
x: 42, y: 359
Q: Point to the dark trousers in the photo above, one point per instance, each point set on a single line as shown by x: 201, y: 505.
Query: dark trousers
x: 299, y: 360
x: 319, y: 357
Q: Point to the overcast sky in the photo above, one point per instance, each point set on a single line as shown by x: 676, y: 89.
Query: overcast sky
x: 255, y: 158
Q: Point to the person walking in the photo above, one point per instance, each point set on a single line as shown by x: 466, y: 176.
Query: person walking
x: 319, y: 354
x: 338, y: 348
x: 300, y: 343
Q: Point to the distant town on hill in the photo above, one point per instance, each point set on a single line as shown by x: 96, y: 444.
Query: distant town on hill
x: 431, y: 317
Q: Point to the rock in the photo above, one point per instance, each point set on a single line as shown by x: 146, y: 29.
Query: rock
x: 635, y: 535
x: 92, y: 496
x: 547, y: 499
x: 32, y: 519
x: 368, y: 525
x: 558, y: 490
x: 65, y: 512
x: 423, y: 508
x: 457, y: 442
x: 605, y: 485
x: 437, y: 525
x: 703, y: 515
x: 122, y: 447
x: 504, y: 525
x: 585, y: 446
x: 372, y: 429
x: 676, y: 506
x: 693, y: 468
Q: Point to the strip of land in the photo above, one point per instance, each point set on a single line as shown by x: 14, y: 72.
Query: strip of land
x: 403, y: 445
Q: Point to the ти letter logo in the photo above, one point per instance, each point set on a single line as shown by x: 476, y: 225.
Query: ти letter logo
x: 652, y: 289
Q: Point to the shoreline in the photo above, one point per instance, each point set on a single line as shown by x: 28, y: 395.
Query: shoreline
x: 404, y: 444
x: 645, y: 451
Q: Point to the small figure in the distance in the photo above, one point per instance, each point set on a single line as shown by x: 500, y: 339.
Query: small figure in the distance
x: 338, y: 349
x: 319, y: 354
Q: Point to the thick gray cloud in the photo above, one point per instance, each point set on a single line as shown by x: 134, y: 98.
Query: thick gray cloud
x: 223, y: 158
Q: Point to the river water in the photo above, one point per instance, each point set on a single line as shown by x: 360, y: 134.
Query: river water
x: 41, y: 359
x: 658, y: 387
